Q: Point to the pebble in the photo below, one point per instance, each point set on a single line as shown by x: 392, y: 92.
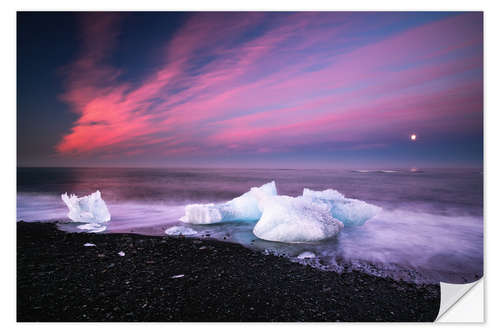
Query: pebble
x: 177, y: 276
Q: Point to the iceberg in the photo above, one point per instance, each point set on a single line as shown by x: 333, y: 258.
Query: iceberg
x: 88, y: 209
x: 313, y: 216
x: 352, y: 212
x: 244, y: 208
x: 295, y: 220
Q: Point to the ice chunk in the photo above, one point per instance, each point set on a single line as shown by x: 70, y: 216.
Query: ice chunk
x: 351, y: 212
x: 88, y: 244
x: 121, y: 254
x: 203, y: 213
x: 242, y: 208
x: 295, y: 220
x: 89, y: 209
x: 306, y: 255
x: 92, y: 227
x: 180, y: 230
x: 330, y: 195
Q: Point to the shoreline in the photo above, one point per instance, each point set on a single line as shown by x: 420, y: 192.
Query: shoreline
x: 165, y: 278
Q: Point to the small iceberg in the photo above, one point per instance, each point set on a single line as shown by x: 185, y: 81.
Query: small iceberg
x: 180, y: 230
x: 295, y: 220
x: 88, y: 209
x: 244, y: 208
x: 351, y: 212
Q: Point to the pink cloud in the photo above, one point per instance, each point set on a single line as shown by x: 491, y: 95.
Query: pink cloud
x: 265, y: 94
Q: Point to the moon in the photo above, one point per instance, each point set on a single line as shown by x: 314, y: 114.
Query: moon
x: 413, y: 137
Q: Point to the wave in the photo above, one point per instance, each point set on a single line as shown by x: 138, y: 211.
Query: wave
x: 375, y: 171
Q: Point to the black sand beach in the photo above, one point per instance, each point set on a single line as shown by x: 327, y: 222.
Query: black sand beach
x: 182, y: 279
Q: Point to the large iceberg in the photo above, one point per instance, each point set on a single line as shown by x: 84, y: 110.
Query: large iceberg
x: 88, y: 209
x: 243, y: 208
x: 351, y: 212
x: 313, y: 216
x: 295, y: 220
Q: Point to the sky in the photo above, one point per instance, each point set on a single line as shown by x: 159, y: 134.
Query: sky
x: 250, y: 89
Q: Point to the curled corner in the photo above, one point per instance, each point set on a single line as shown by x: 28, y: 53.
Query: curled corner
x: 451, y: 298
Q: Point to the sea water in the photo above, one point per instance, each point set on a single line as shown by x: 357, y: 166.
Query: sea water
x: 430, y: 228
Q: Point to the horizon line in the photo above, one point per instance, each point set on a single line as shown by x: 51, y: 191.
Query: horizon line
x: 250, y: 167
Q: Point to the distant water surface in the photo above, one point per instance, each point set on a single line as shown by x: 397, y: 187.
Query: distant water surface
x: 430, y: 229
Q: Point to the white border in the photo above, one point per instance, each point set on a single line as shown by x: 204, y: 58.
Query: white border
x: 468, y: 304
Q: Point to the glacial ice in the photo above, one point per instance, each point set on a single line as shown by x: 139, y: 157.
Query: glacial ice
x: 88, y: 209
x: 92, y: 227
x: 306, y: 255
x: 313, y: 216
x: 240, y: 209
x: 295, y: 220
x: 180, y: 230
x: 351, y: 212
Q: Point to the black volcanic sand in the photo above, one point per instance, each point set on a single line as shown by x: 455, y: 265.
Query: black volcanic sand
x: 58, y: 279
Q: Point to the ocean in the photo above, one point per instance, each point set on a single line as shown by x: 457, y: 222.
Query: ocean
x: 430, y: 228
